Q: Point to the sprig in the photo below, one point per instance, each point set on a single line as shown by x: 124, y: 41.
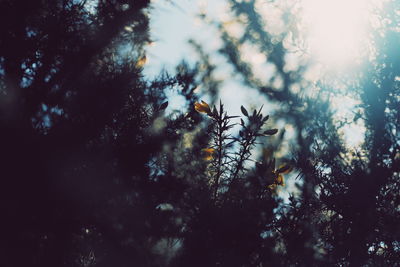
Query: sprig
x: 247, y: 138
x: 227, y: 161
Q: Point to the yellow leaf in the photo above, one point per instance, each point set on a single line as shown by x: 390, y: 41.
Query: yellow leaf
x: 272, y: 187
x: 140, y: 63
x: 202, y: 107
x: 284, y: 169
x: 208, y: 153
x: 280, y: 180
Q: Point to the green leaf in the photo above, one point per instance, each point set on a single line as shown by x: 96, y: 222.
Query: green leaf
x: 244, y: 111
x: 271, y: 131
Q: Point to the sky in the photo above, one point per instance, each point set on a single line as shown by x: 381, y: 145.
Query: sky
x: 334, y: 46
x: 172, y: 25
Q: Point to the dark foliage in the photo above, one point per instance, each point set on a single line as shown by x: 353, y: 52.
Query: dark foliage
x: 75, y: 144
x: 348, y: 211
x: 96, y: 172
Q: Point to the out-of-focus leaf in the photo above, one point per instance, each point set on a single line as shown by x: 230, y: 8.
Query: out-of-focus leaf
x: 271, y: 131
x: 244, y: 111
x: 163, y: 105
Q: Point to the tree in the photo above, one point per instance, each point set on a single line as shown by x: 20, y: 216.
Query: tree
x: 347, y: 209
x: 76, y: 144
x: 97, y: 172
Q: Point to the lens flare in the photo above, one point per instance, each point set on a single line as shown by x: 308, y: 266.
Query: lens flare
x: 336, y: 30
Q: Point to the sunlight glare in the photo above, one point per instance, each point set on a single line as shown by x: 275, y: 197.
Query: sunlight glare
x: 335, y: 30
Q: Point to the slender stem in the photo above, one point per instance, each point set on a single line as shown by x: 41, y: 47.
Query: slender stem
x: 219, y: 144
x: 242, y: 156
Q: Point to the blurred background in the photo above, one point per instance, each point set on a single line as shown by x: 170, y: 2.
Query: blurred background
x: 200, y: 133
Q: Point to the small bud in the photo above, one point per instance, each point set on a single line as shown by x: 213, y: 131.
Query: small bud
x: 244, y: 111
x: 202, y: 107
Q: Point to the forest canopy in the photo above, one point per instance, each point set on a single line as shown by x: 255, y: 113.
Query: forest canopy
x: 275, y: 143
